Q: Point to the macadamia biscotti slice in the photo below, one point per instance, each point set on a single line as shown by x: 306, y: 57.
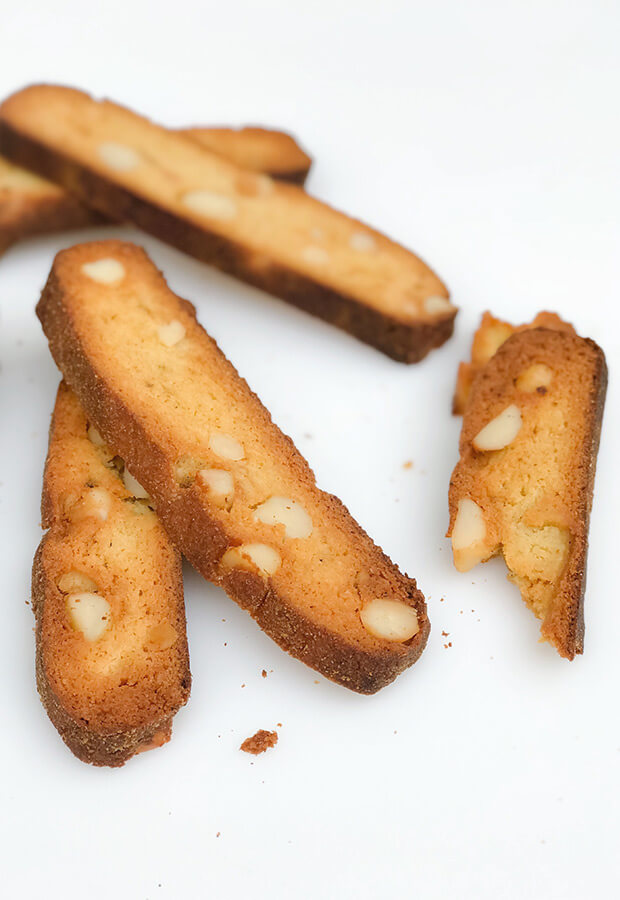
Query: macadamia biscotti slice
x: 524, y: 482
x: 489, y: 337
x: 111, y: 648
x: 232, y: 491
x: 270, y: 234
x: 32, y: 205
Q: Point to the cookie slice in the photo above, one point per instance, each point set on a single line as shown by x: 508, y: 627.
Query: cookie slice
x: 112, y: 661
x: 265, y: 150
x: 489, y: 337
x: 30, y: 205
x: 523, y: 485
x: 269, y: 234
x: 232, y: 491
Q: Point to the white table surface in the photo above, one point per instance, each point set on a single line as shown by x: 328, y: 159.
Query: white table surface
x: 483, y: 135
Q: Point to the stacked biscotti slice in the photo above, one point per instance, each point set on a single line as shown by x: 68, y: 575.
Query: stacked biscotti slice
x: 232, y: 491
x: 270, y: 234
x: 30, y: 205
x: 523, y: 485
x: 111, y: 649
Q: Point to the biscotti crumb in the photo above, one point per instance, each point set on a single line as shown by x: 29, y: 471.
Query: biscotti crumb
x: 260, y: 742
x: 264, y: 673
x: 408, y: 464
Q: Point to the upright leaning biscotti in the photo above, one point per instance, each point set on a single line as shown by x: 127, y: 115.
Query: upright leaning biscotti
x: 111, y: 649
x: 232, y: 491
x: 269, y: 234
x: 30, y: 205
x: 524, y: 482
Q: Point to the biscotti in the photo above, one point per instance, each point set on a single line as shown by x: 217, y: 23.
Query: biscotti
x: 232, y: 491
x: 269, y: 234
x: 489, y: 337
x: 111, y: 649
x: 265, y: 150
x: 523, y: 485
x: 31, y: 205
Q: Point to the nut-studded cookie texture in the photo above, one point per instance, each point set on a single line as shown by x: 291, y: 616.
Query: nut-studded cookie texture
x: 270, y: 234
x: 232, y: 491
x: 524, y: 482
x: 112, y: 661
x: 30, y: 205
x: 489, y: 337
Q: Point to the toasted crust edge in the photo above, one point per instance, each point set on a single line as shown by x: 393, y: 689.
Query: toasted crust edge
x: 202, y: 540
x: 565, y: 627
x: 567, y: 634
x: 402, y: 342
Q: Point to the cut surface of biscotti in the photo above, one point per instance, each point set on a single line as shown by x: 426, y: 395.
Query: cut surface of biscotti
x: 489, y: 337
x: 524, y: 482
x: 266, y: 150
x: 111, y: 648
x: 270, y: 234
x: 32, y: 205
x: 232, y: 491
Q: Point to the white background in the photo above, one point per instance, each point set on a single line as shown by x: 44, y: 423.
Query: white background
x: 484, y: 135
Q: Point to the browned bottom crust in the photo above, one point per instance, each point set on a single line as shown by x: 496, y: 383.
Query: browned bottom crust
x: 99, y: 749
x: 298, y: 178
x: 403, y: 342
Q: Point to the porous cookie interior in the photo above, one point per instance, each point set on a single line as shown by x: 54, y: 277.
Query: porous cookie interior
x: 106, y: 556
x: 146, y: 346
x: 273, y: 222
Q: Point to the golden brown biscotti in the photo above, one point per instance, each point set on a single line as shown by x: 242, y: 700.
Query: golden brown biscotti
x: 232, y: 491
x: 31, y: 205
x: 489, y: 337
x: 270, y: 234
x: 265, y: 150
x: 112, y: 662
x: 524, y: 482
